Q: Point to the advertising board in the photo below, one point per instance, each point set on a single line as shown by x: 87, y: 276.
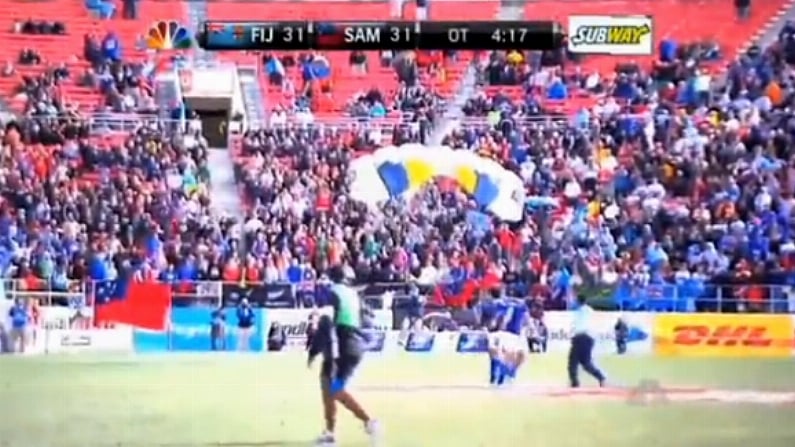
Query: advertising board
x: 617, y: 35
x: 296, y: 321
x: 472, y: 342
x: 723, y: 335
x: 191, y: 330
x: 560, y: 331
x: 62, y: 317
x: 79, y: 341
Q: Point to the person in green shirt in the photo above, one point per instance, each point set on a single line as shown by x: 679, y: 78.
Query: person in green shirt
x: 342, y: 341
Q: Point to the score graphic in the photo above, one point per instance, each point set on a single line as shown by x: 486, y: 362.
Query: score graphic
x: 243, y: 36
x: 369, y: 35
x: 366, y: 36
x: 225, y: 36
x: 169, y: 35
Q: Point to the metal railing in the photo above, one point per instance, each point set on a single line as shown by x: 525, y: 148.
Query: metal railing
x: 706, y: 297
x: 100, y: 124
x: 112, y: 123
x: 340, y: 122
x: 122, y: 123
x: 482, y: 121
x: 767, y: 298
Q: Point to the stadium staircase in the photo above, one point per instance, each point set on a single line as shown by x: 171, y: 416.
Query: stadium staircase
x: 166, y: 95
x: 454, y: 113
x: 224, y: 193
x: 68, y: 48
x: 253, y: 101
x: 683, y: 20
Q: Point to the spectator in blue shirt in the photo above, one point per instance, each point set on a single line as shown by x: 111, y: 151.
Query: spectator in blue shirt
x: 294, y: 272
x: 111, y: 47
x: 20, y: 318
x: 245, y: 324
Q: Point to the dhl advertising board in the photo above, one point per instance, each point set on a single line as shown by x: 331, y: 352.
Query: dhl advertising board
x: 723, y: 335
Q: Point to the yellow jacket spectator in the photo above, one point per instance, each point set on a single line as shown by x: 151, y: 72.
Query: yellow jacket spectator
x: 515, y: 57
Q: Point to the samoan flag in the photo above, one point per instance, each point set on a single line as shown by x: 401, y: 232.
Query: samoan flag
x: 319, y: 69
x: 329, y: 35
x: 139, y: 304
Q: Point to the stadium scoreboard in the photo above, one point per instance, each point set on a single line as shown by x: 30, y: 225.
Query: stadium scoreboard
x: 377, y: 35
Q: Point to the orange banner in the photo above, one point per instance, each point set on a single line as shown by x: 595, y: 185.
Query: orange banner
x: 723, y: 335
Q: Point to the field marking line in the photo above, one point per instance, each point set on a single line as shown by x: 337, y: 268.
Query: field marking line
x: 669, y: 394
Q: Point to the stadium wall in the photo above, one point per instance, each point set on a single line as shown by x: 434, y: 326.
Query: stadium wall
x: 62, y: 330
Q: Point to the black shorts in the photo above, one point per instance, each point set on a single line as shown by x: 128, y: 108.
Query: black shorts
x: 350, y: 355
x: 340, y: 368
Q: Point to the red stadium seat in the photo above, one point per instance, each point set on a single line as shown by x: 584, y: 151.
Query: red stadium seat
x: 68, y: 48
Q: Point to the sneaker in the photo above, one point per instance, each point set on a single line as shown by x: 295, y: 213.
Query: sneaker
x: 373, y: 429
x: 326, y: 440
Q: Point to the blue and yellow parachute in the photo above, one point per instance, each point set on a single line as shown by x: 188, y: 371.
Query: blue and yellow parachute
x: 394, y: 172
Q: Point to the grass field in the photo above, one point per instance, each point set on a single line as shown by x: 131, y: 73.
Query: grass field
x: 272, y: 400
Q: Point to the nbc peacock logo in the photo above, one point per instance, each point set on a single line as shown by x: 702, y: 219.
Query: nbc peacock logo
x: 168, y: 35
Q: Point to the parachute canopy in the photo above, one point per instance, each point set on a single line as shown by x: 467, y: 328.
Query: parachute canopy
x: 394, y: 172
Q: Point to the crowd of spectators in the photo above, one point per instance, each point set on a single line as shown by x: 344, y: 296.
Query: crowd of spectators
x: 80, y: 208
x: 39, y: 27
x: 662, y: 192
x: 410, y: 100
x: 126, y: 85
x: 667, y: 191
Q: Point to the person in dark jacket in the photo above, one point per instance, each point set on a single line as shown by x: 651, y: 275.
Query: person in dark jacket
x: 218, y: 330
x: 130, y: 9
x: 277, y: 338
x: 5, y: 344
x: 537, y: 336
x: 622, y: 333
x: 323, y: 344
x: 743, y: 8
x: 311, y: 329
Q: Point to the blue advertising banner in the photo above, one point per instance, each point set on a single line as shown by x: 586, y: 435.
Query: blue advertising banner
x: 472, y: 342
x: 375, y: 341
x: 191, y: 330
x: 420, y: 342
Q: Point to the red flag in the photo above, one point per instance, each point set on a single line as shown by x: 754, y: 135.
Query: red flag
x: 440, y: 295
x: 144, y: 305
x: 460, y: 300
x: 490, y: 281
